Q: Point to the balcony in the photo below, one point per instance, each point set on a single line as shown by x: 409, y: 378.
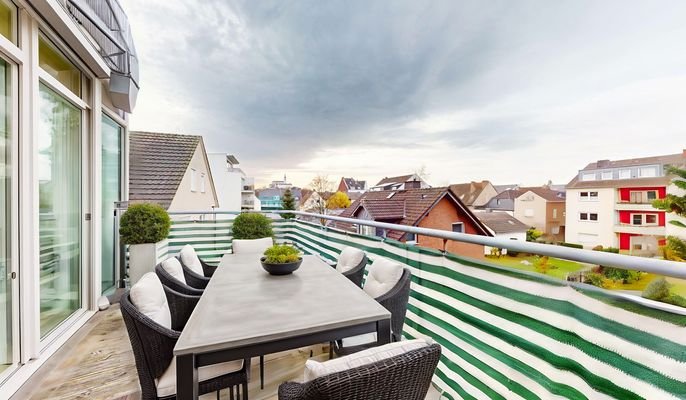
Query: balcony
x: 627, y: 206
x: 505, y: 332
x: 640, y: 229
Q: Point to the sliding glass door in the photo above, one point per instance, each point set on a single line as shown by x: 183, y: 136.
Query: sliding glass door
x: 111, y: 193
x: 6, y: 312
x: 59, y: 171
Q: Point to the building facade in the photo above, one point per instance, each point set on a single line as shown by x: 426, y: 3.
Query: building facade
x: 68, y: 83
x: 543, y: 209
x: 609, y: 203
x: 474, y: 194
x: 235, y: 190
x: 412, y: 181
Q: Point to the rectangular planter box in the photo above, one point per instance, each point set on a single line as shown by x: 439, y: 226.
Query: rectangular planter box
x: 144, y: 257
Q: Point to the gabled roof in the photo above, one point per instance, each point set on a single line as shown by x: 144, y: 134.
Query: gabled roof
x: 501, y: 222
x: 157, y: 164
x: 404, y: 207
x: 544, y: 192
x: 674, y: 159
x: 469, y: 192
x: 353, y: 184
x: 394, y: 179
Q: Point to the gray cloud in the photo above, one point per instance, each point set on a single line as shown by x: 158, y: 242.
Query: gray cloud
x: 261, y: 79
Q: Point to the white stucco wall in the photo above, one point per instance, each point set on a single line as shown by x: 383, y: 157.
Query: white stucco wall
x: 487, y: 194
x: 591, y: 233
x: 187, y: 200
x: 227, y: 182
x: 530, y: 208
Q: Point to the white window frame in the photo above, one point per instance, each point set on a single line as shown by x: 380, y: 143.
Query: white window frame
x: 588, y: 176
x: 202, y: 182
x: 461, y: 224
x: 642, y: 172
x: 604, y: 175
x: 194, y: 180
x: 624, y: 174
x: 588, y: 196
x: 644, y: 218
x: 554, y: 212
x: 588, y: 216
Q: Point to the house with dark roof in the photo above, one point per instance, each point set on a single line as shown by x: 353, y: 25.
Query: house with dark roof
x: 502, y: 225
x: 609, y: 203
x: 474, y: 194
x: 170, y: 170
x: 435, y: 208
x: 542, y: 208
x: 352, y: 185
x: 412, y: 181
x: 504, y: 200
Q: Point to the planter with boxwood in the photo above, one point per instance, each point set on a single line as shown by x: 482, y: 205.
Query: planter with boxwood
x: 252, y: 226
x: 145, y: 228
x: 281, y: 259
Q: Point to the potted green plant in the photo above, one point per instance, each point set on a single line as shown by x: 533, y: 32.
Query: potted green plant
x: 145, y: 228
x: 281, y: 259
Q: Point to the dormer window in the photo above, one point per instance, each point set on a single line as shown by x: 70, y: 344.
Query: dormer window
x: 588, y: 176
x: 647, y: 172
x: 606, y: 175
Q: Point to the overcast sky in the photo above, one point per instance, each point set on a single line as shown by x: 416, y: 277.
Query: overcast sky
x: 511, y: 91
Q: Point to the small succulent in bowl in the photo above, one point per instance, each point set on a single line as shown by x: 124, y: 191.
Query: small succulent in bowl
x: 281, y: 259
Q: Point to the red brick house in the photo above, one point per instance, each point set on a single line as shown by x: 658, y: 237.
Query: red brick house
x: 435, y: 208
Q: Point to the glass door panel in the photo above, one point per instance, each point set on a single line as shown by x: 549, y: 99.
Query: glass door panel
x: 59, y: 173
x: 111, y: 193
x: 6, y: 314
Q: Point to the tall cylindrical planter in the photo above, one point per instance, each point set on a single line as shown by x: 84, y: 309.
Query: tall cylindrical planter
x: 144, y: 257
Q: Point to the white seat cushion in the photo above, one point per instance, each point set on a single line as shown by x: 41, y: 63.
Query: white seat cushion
x: 315, y: 369
x: 173, y: 268
x: 166, y: 384
x: 249, y: 246
x: 149, y: 298
x: 190, y: 259
x: 349, y: 258
x: 382, y: 277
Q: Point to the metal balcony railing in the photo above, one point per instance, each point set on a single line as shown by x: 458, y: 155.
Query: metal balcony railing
x: 506, y: 333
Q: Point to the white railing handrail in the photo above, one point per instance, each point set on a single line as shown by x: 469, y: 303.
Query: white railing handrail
x: 652, y: 265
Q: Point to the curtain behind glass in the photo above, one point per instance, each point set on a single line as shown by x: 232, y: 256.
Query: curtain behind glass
x: 111, y: 193
x: 59, y: 170
x: 5, y: 213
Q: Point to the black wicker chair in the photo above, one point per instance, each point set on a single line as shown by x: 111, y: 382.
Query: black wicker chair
x: 176, y: 285
x: 395, y: 301
x: 356, y: 274
x: 153, y: 347
x: 207, y: 269
x: 406, y: 376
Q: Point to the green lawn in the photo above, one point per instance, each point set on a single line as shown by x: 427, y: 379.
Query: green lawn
x: 558, y: 268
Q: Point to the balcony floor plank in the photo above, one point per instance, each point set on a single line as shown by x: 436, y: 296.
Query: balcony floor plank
x: 97, y: 363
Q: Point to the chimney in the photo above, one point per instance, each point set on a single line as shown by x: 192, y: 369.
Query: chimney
x: 413, y: 185
x: 603, y: 163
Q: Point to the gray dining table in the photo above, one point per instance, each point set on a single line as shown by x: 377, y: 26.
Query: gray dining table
x: 244, y: 312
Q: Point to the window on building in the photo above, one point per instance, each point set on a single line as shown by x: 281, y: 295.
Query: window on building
x: 583, y: 216
x: 651, y: 219
x: 58, y: 66
x: 588, y: 176
x: 647, y: 172
x: 606, y: 175
x: 458, y: 227
x: 529, y: 212
x: 202, y: 182
x: 554, y: 212
x: 624, y: 174
x: 593, y: 216
x: 637, y: 219
x: 410, y: 237
x: 588, y: 196
x: 651, y: 195
x: 637, y: 246
x: 194, y: 180
x: 8, y: 20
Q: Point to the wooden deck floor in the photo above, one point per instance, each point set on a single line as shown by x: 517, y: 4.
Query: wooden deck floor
x: 97, y: 363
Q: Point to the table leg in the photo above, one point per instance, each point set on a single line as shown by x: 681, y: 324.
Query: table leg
x: 186, y: 378
x: 383, y: 332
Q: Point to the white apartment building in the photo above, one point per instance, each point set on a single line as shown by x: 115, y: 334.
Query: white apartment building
x: 68, y: 79
x: 235, y: 190
x: 609, y: 203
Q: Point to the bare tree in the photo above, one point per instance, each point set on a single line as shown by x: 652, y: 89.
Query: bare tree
x: 321, y: 185
x: 422, y: 172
